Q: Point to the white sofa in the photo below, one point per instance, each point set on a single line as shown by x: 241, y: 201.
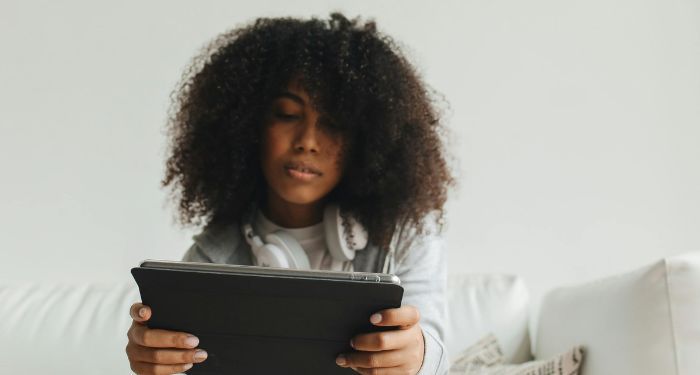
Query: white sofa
x: 643, y: 323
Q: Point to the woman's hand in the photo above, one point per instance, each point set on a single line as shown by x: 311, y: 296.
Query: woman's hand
x: 159, y: 351
x: 398, y: 351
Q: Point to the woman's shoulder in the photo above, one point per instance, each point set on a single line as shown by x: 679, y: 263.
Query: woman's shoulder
x: 217, y: 234
x: 217, y: 242
x: 415, y: 243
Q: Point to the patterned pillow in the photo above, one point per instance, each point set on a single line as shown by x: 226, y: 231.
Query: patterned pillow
x: 486, y: 358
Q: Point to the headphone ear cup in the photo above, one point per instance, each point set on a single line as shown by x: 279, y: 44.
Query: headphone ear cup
x: 335, y: 234
x: 271, y: 256
x: 288, y: 245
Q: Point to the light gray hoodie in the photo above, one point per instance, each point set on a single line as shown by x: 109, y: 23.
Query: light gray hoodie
x: 420, y: 263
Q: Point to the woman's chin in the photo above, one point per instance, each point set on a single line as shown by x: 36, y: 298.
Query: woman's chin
x: 302, y: 200
x: 301, y: 196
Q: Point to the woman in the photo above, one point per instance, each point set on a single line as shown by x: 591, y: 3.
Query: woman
x: 278, y: 119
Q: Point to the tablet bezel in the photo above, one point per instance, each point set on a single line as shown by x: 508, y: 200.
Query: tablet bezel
x: 370, y: 277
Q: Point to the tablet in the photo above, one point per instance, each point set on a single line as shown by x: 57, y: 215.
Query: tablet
x: 264, y: 320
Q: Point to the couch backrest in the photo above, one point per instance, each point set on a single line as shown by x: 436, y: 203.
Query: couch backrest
x: 643, y: 322
x: 488, y: 303
x: 65, y: 329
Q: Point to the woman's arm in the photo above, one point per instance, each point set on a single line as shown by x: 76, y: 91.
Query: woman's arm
x: 423, y: 274
x: 422, y: 267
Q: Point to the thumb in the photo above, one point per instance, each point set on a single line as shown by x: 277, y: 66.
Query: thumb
x: 140, y: 312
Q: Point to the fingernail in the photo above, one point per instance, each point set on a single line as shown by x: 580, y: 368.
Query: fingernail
x: 375, y: 318
x: 352, y: 344
x: 188, y: 366
x: 200, y: 354
x: 191, y: 341
x: 340, y: 360
x: 142, y: 312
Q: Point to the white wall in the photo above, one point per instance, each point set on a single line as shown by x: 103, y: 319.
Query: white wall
x: 576, y: 124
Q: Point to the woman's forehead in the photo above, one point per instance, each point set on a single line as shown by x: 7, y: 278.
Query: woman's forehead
x: 305, y: 93
x: 296, y: 87
x: 294, y: 91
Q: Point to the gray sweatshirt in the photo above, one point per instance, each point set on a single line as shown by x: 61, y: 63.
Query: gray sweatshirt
x: 420, y: 263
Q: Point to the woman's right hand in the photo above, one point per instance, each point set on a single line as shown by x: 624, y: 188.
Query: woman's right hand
x: 159, y: 351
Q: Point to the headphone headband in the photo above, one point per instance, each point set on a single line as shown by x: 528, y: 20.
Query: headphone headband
x: 343, y: 236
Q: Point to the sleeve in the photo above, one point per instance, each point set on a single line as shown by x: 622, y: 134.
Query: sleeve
x: 422, y: 268
x: 195, y: 254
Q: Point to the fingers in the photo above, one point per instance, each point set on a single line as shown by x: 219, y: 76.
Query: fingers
x: 140, y: 312
x: 144, y: 368
x: 397, y: 351
x: 137, y: 353
x: 159, y: 351
x: 387, y: 340
x: 404, y: 317
x: 389, y: 358
x: 160, y: 338
x: 384, y: 371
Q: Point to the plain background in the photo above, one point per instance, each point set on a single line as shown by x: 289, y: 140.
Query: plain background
x: 575, y: 127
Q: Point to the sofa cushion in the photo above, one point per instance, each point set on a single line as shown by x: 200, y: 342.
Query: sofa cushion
x: 486, y: 358
x: 65, y: 329
x: 479, y: 304
x: 643, y: 322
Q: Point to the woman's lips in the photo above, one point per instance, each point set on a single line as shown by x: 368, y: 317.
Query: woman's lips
x: 301, y: 171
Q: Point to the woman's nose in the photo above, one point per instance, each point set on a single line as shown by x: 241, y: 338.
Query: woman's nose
x: 306, y: 137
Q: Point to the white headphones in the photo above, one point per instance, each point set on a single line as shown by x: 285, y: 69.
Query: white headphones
x: 282, y: 250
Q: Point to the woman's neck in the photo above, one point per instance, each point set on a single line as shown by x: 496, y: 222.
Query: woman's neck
x: 292, y: 215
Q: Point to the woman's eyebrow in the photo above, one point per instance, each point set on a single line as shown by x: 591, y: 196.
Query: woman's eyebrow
x: 289, y: 95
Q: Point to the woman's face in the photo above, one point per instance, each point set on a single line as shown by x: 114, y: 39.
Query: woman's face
x: 300, y: 157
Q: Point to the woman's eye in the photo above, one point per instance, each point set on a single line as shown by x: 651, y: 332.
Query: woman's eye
x: 286, y: 116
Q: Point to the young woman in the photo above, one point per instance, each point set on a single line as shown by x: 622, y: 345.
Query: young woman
x: 281, y: 118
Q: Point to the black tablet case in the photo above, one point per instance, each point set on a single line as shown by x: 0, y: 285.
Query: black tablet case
x: 264, y: 325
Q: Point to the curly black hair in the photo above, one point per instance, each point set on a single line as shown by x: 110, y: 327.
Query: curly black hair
x: 360, y: 81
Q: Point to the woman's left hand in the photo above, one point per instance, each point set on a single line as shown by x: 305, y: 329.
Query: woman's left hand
x: 398, y: 351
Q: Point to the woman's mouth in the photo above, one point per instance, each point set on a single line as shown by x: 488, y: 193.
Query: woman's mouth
x: 302, y: 171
